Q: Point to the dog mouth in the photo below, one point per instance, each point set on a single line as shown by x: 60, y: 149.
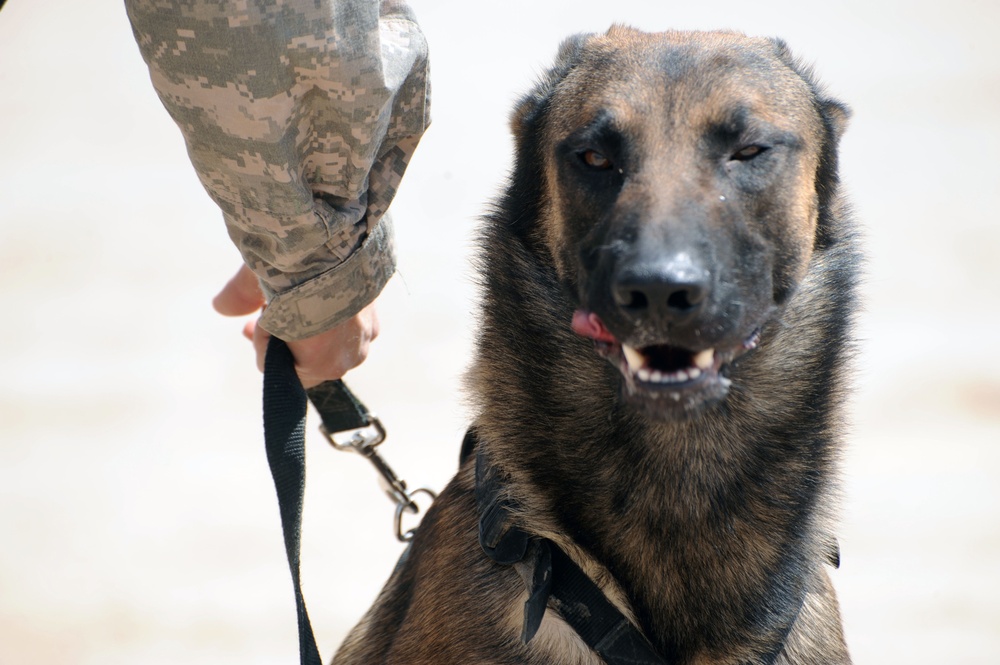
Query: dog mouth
x: 665, y: 373
x: 663, y: 364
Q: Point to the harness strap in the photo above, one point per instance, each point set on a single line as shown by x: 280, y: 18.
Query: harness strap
x: 599, y: 623
x: 554, y: 579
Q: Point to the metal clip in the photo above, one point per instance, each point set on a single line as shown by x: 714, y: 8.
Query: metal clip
x: 413, y: 508
x: 364, y: 441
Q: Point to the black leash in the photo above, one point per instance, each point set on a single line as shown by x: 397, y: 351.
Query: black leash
x: 285, y: 439
x: 285, y: 403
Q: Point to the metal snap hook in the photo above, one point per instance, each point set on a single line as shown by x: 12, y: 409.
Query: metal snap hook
x: 364, y: 441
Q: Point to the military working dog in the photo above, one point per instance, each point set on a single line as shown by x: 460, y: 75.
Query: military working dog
x: 669, y: 282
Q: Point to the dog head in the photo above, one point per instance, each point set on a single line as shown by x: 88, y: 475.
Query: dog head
x: 684, y: 179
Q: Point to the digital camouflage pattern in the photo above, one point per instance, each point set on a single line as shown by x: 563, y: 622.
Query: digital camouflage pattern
x: 300, y: 117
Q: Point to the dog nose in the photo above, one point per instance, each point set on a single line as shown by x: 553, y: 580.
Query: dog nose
x: 670, y: 290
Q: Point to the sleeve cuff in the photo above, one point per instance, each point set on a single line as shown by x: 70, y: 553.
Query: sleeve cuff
x: 336, y: 295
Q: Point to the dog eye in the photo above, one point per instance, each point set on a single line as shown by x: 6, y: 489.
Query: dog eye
x: 747, y: 153
x: 595, y: 160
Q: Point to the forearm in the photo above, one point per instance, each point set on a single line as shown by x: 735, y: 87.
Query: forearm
x: 299, y: 118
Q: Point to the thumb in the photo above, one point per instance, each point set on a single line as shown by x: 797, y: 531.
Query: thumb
x: 240, y: 296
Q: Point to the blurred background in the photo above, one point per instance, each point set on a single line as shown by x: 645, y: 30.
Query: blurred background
x: 137, y: 518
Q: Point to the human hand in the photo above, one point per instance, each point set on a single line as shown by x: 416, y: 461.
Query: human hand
x: 323, y: 357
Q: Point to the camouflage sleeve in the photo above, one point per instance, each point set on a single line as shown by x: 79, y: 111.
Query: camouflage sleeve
x: 300, y: 117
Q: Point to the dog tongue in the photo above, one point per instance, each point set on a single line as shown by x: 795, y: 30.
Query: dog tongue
x: 590, y: 325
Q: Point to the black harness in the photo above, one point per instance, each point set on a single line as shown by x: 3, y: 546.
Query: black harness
x: 553, y: 578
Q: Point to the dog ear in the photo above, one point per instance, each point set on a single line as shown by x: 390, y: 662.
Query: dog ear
x: 528, y: 109
x: 835, y: 114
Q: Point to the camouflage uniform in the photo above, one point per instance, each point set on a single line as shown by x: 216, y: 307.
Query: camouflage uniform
x: 300, y: 117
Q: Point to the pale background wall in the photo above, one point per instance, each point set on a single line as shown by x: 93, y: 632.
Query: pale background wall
x: 137, y: 519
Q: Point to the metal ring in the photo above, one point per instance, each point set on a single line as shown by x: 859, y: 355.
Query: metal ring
x: 411, y: 507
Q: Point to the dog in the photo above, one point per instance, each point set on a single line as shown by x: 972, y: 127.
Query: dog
x: 668, y: 289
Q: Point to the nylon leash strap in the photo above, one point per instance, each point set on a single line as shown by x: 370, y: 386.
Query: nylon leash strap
x: 284, y: 438
x: 285, y: 403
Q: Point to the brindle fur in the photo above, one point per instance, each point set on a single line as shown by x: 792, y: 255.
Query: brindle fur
x: 706, y: 525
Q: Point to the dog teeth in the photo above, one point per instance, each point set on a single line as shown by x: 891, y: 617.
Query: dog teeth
x: 705, y: 359
x: 636, y: 361
x: 638, y: 364
x: 656, y: 376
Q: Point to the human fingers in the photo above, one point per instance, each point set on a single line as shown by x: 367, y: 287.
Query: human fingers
x: 240, y: 296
